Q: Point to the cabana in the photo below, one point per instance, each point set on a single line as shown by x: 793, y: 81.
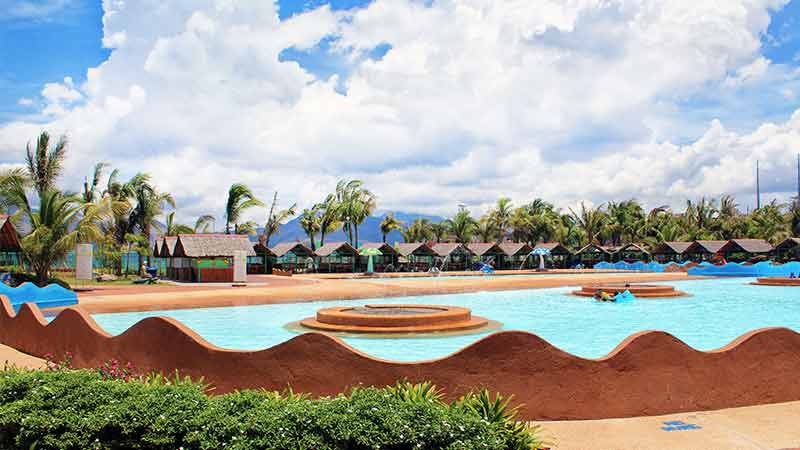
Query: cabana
x: 210, y: 256
x: 559, y: 255
x: 416, y: 256
x: 666, y: 252
x: 173, y: 265
x: 10, y: 248
x: 631, y: 253
x: 705, y: 250
x: 263, y: 260
x: 514, y: 255
x: 293, y: 257
x: 337, y: 257
x: 739, y: 250
x: 158, y: 261
x: 592, y: 254
x: 488, y: 253
x: 788, y: 250
x: 385, y: 262
x: 453, y: 256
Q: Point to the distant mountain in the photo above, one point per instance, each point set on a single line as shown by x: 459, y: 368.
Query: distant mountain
x: 369, y: 231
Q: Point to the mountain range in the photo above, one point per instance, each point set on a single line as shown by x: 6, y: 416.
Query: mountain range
x: 369, y: 231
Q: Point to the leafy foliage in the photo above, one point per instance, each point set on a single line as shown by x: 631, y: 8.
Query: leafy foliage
x: 66, y: 409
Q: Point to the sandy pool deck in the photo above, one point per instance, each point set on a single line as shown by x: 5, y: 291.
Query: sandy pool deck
x: 268, y: 289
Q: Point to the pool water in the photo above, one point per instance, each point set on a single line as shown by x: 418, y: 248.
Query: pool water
x: 717, y: 312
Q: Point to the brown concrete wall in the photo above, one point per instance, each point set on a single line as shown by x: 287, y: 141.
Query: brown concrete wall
x: 647, y: 374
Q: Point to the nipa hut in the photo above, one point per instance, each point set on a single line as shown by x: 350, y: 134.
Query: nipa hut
x: 788, y: 250
x: 337, y: 257
x: 739, y: 250
x: 453, y: 256
x: 10, y: 249
x: 670, y: 251
x: 705, y: 250
x: 515, y: 256
x: 488, y: 253
x: 385, y: 262
x: 293, y: 257
x: 210, y: 256
x: 415, y: 256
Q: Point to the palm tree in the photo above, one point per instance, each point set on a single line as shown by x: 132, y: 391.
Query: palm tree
x: 440, y: 230
x: 355, y: 204
x: 310, y: 222
x: 486, y: 229
x: 389, y: 224
x: 150, y: 204
x: 329, y: 216
x: 171, y: 228
x: 275, y: 219
x: 418, y: 231
x: 590, y: 221
x: 240, y: 198
x: 44, y: 164
x: 89, y: 189
x: 462, y: 226
x: 500, y: 216
x: 60, y: 222
x: 201, y: 225
x: 120, y: 194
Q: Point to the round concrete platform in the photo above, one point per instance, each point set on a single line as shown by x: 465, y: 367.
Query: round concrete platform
x: 638, y: 290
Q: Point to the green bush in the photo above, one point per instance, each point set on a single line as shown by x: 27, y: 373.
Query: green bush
x: 79, y: 409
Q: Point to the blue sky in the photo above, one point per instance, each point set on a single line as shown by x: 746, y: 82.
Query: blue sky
x: 62, y: 39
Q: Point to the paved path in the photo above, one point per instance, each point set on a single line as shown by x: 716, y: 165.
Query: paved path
x: 12, y: 357
x: 764, y: 427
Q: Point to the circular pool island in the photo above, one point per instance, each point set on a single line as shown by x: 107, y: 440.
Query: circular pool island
x: 396, y: 319
x: 776, y: 281
x: 638, y: 290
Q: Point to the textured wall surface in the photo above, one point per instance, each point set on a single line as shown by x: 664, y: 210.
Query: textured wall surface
x: 647, y: 374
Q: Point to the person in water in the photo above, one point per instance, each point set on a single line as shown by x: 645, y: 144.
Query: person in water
x: 792, y: 275
x: 602, y: 296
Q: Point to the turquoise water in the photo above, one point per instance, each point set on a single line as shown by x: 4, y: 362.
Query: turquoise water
x: 718, y: 311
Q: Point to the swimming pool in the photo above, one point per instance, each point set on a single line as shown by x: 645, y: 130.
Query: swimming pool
x: 718, y: 311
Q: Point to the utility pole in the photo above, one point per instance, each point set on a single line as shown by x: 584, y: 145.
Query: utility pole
x: 758, y: 187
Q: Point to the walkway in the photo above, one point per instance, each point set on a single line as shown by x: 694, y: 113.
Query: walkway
x: 764, y: 427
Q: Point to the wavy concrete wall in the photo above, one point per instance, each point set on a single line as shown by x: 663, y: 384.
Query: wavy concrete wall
x: 647, y: 374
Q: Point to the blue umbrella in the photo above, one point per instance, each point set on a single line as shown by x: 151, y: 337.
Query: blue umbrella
x: 541, y: 252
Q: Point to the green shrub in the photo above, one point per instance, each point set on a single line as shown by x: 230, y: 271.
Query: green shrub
x: 78, y: 409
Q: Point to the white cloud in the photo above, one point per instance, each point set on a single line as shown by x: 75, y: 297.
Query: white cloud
x: 25, y: 102
x: 32, y: 9
x: 570, y: 101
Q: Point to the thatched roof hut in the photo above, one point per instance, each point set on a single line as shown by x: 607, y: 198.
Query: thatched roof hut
x: 168, y: 246
x: 335, y: 249
x: 419, y: 249
x: 744, y: 249
x: 212, y: 245
x: 788, y: 249
x: 670, y: 251
x: 10, y: 248
x: 705, y: 250
x: 294, y: 248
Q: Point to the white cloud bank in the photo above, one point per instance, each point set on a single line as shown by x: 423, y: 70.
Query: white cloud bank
x: 567, y: 100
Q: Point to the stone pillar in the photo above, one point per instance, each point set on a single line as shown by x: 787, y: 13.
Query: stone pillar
x: 83, y: 262
x: 240, y: 266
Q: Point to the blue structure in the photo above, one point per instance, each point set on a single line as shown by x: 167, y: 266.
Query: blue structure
x: 705, y: 268
x: 50, y: 296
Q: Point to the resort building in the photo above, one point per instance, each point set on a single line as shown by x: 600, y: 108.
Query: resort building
x: 10, y: 249
x: 515, y: 256
x: 592, y: 254
x: 488, y: 253
x: 559, y: 256
x: 385, y: 262
x: 166, y: 253
x: 670, y: 252
x: 453, y: 256
x: 415, y: 256
x: 209, y: 257
x: 788, y: 250
x: 739, y: 250
x: 631, y: 253
x: 263, y: 260
x: 336, y: 257
x: 293, y: 257
x: 157, y: 260
x: 705, y: 250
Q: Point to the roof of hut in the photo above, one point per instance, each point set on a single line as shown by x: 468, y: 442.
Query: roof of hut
x: 482, y: 248
x: 791, y: 242
x: 168, y: 246
x: 596, y: 247
x: 408, y: 248
x: 262, y: 249
x: 295, y: 247
x: 706, y: 246
x: 336, y: 247
x: 634, y: 247
x: 9, y: 236
x: 672, y: 247
x: 554, y: 247
x: 513, y: 248
x: 382, y: 246
x: 210, y: 245
x: 447, y: 248
x: 749, y: 245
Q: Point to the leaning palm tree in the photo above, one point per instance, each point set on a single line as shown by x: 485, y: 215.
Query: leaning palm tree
x: 90, y: 188
x: 274, y: 220
x: 172, y: 228
x: 43, y: 163
x: 590, y: 221
x: 150, y: 204
x: 60, y: 222
x: 329, y: 216
x: 240, y: 198
x: 389, y: 224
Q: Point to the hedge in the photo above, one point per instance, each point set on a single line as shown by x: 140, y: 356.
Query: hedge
x: 81, y: 409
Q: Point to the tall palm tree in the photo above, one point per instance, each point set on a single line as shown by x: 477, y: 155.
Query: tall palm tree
x: 500, y: 216
x: 310, y: 222
x: 418, y: 231
x: 440, y: 230
x: 329, y: 216
x: 60, y: 222
x: 389, y: 224
x: 486, y: 229
x: 120, y: 194
x: 43, y: 163
x: 240, y: 198
x: 172, y: 228
x: 90, y: 189
x: 149, y: 205
x: 590, y: 221
x: 462, y: 226
x: 355, y: 204
x: 275, y: 219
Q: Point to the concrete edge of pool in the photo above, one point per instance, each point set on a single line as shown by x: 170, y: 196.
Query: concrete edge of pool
x: 648, y: 373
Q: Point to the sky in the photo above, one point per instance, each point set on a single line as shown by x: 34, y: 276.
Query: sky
x: 433, y: 103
